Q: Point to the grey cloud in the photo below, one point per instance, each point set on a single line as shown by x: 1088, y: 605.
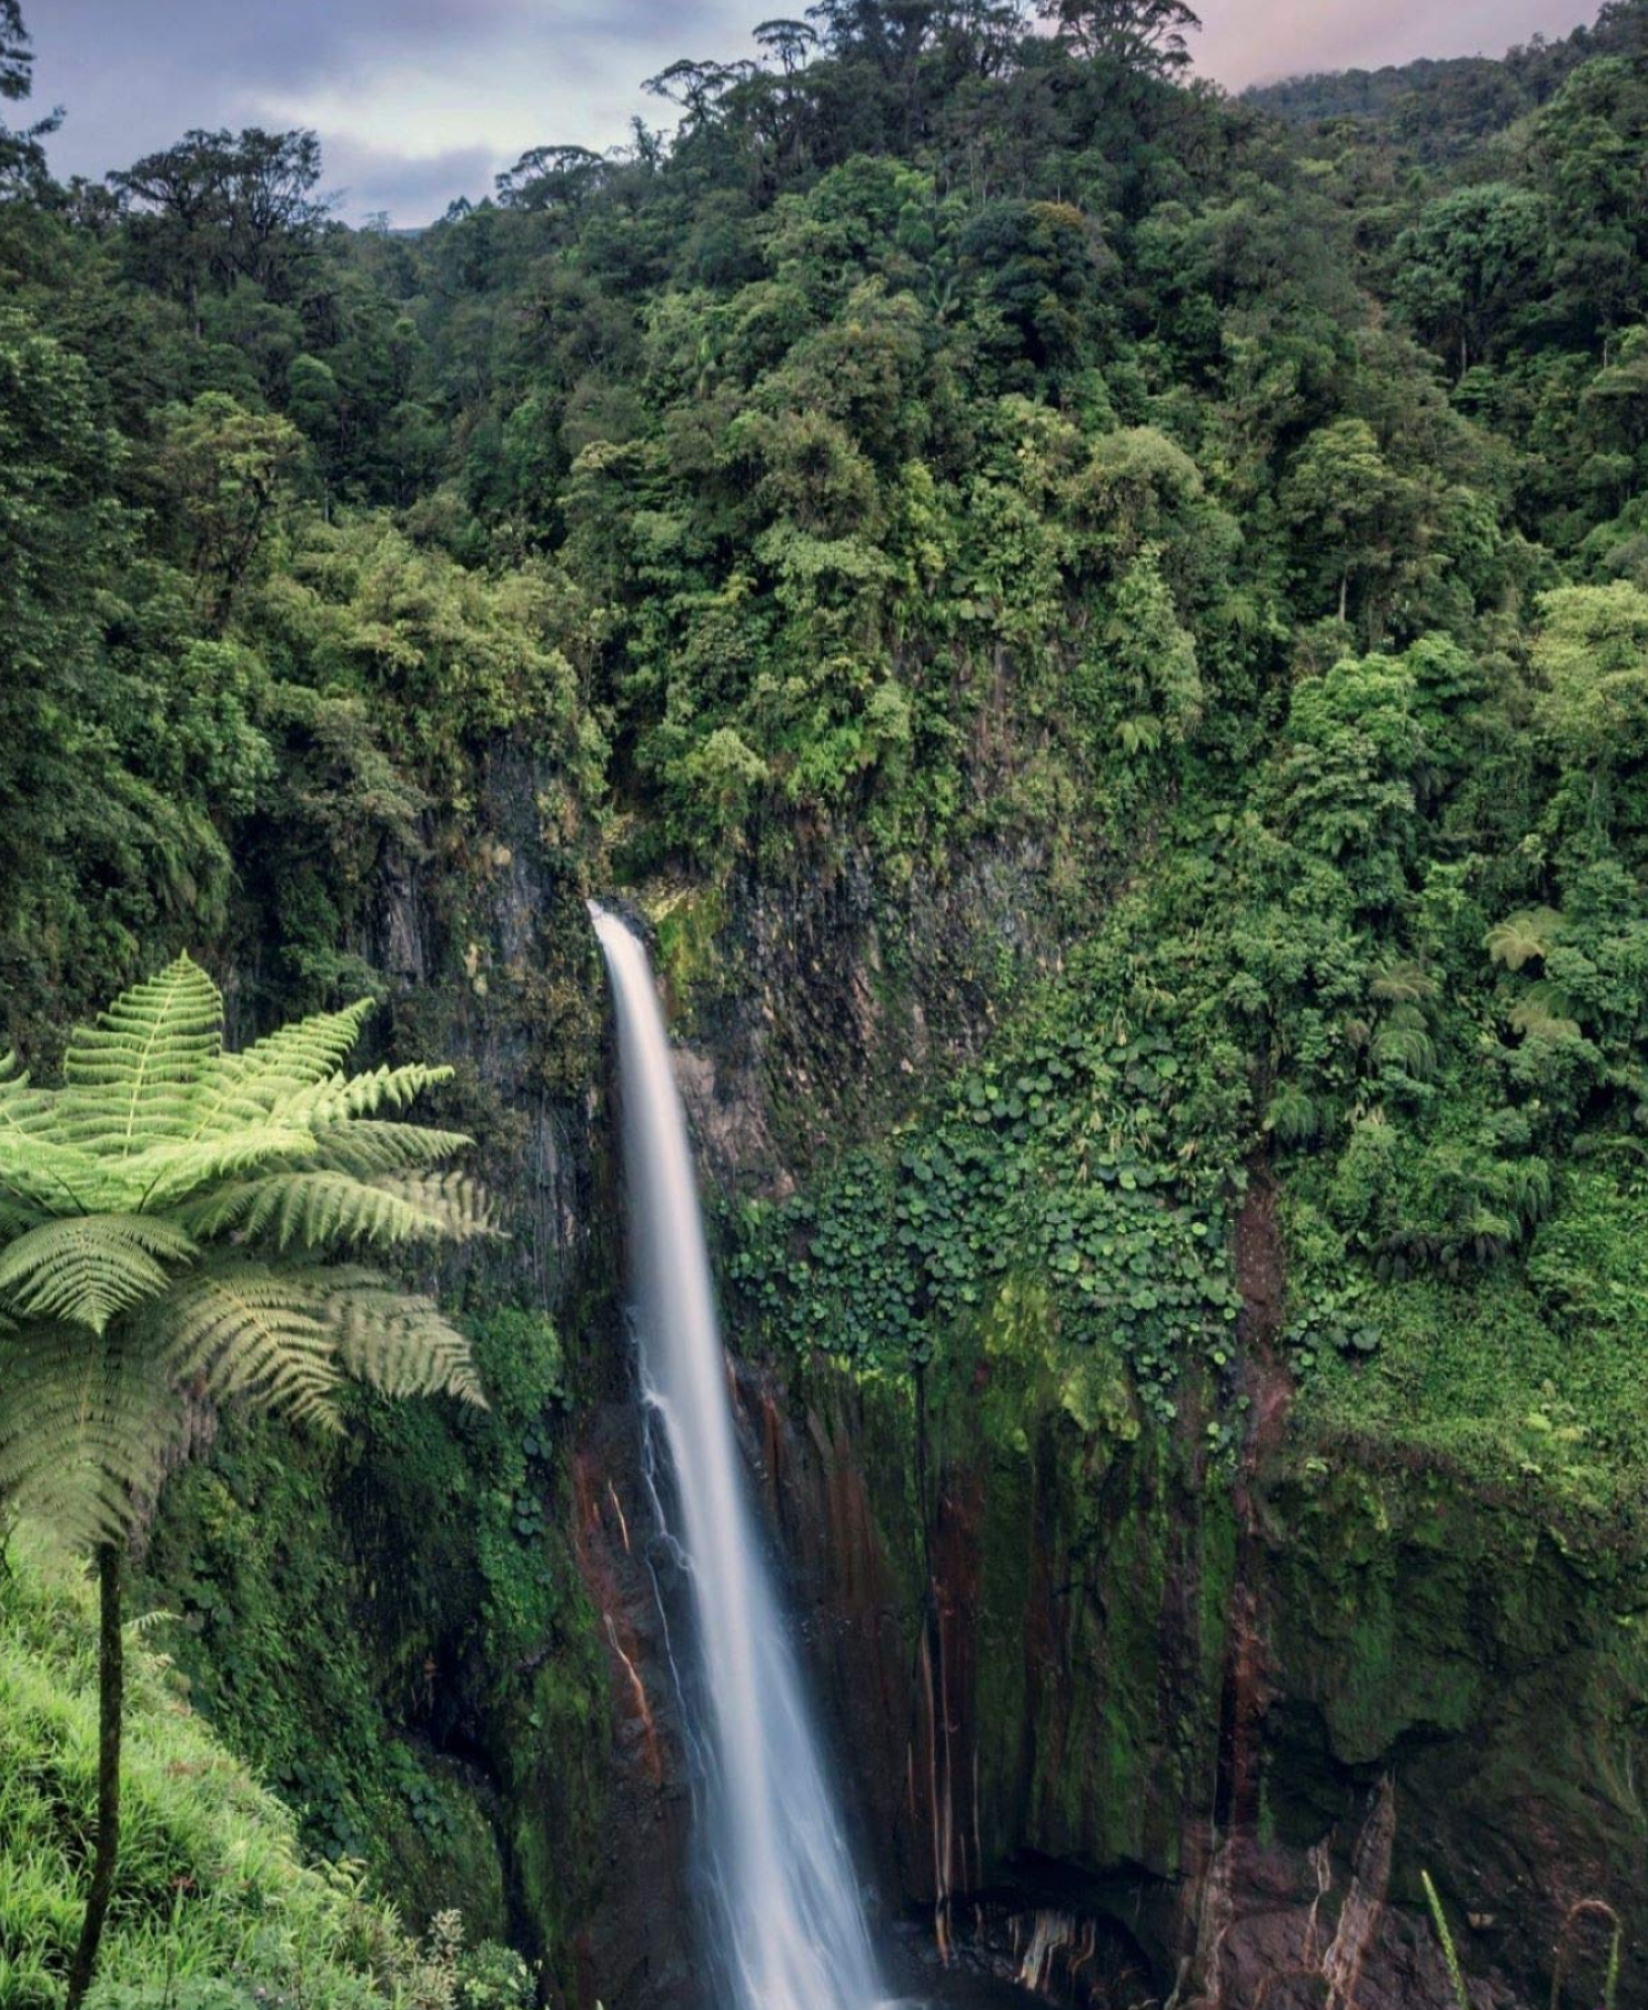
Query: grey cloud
x: 134, y: 74
x: 412, y: 188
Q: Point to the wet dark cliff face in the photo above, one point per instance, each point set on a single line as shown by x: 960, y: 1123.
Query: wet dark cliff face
x: 1116, y: 1719
x: 1093, y: 1737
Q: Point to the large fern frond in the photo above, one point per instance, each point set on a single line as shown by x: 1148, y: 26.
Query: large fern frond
x: 1545, y: 1012
x: 346, y: 1096
x: 244, y: 1088
x: 319, y: 1210
x: 1401, y: 983
x: 17, y: 1216
x: 117, y: 1317
x: 56, y: 1178
x: 1292, y: 1116
x: 251, y: 1329
x: 133, y: 1077
x: 24, y: 1109
x: 399, y: 1342
x: 87, y: 1430
x: 364, y: 1148
x: 165, y: 1175
x: 86, y: 1269
x: 1526, y: 938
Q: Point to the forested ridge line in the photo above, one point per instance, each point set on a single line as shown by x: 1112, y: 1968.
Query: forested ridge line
x: 954, y: 436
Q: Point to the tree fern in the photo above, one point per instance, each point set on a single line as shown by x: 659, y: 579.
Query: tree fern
x: 161, y: 1214
x: 163, y: 1220
x: 1402, y: 983
x: 85, y: 1270
x: 1544, y: 1012
x: 1292, y: 1116
x: 1525, y: 938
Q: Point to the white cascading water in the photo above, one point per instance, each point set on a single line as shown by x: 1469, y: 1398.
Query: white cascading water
x: 790, y: 1921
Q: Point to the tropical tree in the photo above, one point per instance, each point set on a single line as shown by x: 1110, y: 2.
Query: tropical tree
x: 1147, y: 35
x: 182, y: 1227
x: 22, y: 159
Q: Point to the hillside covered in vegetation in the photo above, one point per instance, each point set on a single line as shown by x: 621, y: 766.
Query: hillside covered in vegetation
x: 1106, y: 627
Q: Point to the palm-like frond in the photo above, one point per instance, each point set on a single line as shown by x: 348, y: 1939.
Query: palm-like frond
x: 165, y: 1175
x: 161, y: 1217
x: 24, y: 1109
x: 251, y: 1329
x: 17, y: 1217
x: 132, y: 1078
x: 244, y: 1088
x: 1404, y: 1042
x: 86, y: 1269
x: 1402, y: 983
x: 399, y: 1342
x: 87, y: 1429
x: 1292, y: 1116
x: 366, y: 1148
x: 319, y: 1210
x: 43, y: 1173
x: 1545, y: 1012
x: 342, y: 1097
x: 1525, y: 938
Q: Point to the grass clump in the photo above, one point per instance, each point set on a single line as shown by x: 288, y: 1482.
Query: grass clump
x: 216, y: 1906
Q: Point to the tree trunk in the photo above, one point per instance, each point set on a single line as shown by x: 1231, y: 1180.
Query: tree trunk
x: 111, y: 1672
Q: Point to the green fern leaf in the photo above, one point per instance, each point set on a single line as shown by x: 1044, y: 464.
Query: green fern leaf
x: 17, y: 1217
x: 58, y: 1178
x: 1525, y: 938
x: 250, y: 1329
x: 317, y: 1210
x: 87, y: 1269
x: 1409, y: 1048
x: 1292, y: 1116
x: 165, y: 1175
x: 1402, y: 984
x: 345, y: 1096
x: 244, y: 1088
x: 399, y: 1342
x: 87, y: 1431
x: 1545, y: 1012
x: 24, y: 1110
x: 132, y: 1077
x: 364, y: 1148
x: 118, y: 1319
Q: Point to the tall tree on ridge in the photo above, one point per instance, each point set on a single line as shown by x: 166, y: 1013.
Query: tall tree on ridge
x: 1147, y: 35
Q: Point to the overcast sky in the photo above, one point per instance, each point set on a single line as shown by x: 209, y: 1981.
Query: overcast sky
x: 418, y: 101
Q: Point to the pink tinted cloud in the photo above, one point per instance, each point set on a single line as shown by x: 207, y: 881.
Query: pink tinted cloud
x: 1252, y: 41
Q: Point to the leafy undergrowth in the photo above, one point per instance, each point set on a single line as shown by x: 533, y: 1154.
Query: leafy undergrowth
x: 1054, y: 1158
x: 216, y: 1906
x: 1526, y: 1378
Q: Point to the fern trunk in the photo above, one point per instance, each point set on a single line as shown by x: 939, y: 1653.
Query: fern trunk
x: 111, y: 1684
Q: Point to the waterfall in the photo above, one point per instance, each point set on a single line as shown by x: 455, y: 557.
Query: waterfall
x: 789, y: 1925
